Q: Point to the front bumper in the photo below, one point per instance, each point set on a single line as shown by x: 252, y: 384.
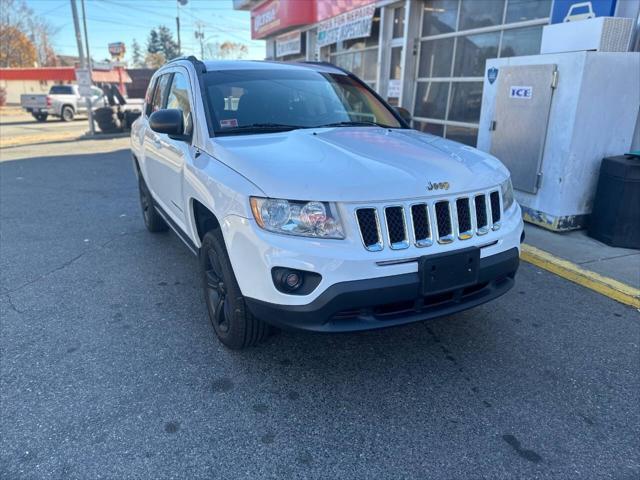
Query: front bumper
x: 389, y: 301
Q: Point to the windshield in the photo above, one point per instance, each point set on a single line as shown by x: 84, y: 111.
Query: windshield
x: 258, y: 101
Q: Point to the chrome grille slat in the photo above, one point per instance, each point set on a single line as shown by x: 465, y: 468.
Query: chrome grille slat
x: 421, y: 228
x: 369, y: 226
x: 396, y: 227
x: 482, y: 220
x: 465, y: 222
x: 496, y: 214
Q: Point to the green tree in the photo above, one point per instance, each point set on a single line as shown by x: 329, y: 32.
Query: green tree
x: 153, y: 42
x: 136, y: 54
x: 169, y: 45
x: 161, y: 41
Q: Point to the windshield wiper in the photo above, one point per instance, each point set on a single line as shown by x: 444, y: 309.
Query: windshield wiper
x: 353, y: 124
x: 260, y: 127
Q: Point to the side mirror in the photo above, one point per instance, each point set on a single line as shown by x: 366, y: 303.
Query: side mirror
x: 169, y: 121
x: 404, y: 114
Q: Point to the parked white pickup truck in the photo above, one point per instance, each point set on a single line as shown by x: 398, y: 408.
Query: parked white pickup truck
x: 63, y: 101
x: 312, y: 204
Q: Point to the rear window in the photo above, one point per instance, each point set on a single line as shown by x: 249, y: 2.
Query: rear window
x: 61, y: 90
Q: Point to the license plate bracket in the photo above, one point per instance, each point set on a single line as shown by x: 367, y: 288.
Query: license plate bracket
x: 449, y: 271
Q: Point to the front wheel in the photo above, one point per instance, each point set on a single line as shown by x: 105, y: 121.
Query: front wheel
x: 152, y: 219
x: 232, y: 321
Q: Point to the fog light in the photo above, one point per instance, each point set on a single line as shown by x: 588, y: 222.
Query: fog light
x: 292, y: 280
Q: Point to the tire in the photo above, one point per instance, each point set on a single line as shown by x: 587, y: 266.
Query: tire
x: 152, y: 219
x: 232, y: 321
x: 40, y: 117
x: 67, y: 114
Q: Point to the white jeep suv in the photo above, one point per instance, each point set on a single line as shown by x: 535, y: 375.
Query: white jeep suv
x: 311, y: 204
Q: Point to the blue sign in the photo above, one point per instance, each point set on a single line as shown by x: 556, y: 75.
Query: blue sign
x: 574, y: 10
x: 492, y: 74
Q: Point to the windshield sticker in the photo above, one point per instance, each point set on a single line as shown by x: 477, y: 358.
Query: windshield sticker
x: 231, y: 122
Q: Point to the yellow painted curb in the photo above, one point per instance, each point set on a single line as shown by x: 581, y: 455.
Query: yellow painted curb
x: 609, y: 287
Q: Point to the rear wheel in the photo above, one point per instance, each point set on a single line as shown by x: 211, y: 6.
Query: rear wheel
x: 152, y: 219
x: 40, y: 117
x: 67, y: 114
x: 232, y: 321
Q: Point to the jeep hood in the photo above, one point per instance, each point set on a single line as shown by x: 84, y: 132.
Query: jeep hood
x: 356, y: 164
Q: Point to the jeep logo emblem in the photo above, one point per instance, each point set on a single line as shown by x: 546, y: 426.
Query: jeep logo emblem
x: 438, y: 186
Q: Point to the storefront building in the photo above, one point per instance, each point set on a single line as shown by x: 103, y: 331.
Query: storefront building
x: 427, y: 56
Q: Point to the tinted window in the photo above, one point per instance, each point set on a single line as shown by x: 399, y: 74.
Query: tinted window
x: 160, y: 95
x: 61, y: 90
x: 301, y: 98
x: 439, y: 17
x: 179, y: 98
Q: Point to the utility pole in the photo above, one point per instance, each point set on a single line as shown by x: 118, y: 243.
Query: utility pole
x: 200, y: 36
x: 89, y: 65
x: 83, y: 62
x: 178, y: 3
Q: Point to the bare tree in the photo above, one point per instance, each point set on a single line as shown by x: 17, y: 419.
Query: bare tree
x: 226, y: 50
x: 16, y: 14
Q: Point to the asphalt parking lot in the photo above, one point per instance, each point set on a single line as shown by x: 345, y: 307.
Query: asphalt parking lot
x: 109, y: 367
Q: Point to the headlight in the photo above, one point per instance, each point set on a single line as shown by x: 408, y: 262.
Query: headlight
x: 507, y: 194
x: 307, y: 219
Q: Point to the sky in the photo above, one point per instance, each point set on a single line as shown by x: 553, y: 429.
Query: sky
x: 123, y: 20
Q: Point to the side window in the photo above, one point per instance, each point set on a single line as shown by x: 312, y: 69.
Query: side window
x: 160, y: 95
x: 179, y: 99
x: 148, y: 98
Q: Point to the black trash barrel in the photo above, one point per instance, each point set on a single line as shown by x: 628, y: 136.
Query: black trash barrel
x: 615, y: 219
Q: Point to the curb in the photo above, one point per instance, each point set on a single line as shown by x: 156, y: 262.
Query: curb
x: 621, y: 292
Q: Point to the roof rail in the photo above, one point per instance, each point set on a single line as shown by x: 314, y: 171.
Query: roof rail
x: 198, y: 64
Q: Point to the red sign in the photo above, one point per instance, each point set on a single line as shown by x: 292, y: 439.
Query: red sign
x: 274, y: 16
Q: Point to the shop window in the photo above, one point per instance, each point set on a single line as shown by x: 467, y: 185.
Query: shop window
x: 431, y: 99
x: 481, y: 13
x: 370, y: 58
x: 436, y: 58
x: 395, y: 67
x: 521, y: 41
x: 428, y: 127
x: 472, y: 51
x: 466, y: 135
x: 466, y: 99
x: 398, y: 22
x: 522, y: 10
x: 439, y: 16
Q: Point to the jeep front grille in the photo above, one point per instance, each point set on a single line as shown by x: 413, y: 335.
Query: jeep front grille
x: 421, y: 224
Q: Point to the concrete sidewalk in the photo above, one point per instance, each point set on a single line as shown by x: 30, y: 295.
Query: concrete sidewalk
x: 577, y: 247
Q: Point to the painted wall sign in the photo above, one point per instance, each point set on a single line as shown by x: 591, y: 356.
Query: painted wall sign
x: 524, y: 93
x: 288, y: 44
x: 353, y: 24
x: 576, y: 10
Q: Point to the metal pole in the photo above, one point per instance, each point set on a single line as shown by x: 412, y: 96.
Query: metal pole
x: 89, y: 66
x: 83, y: 63
x: 178, y: 26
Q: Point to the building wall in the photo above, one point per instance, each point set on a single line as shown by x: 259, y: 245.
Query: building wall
x: 15, y: 88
